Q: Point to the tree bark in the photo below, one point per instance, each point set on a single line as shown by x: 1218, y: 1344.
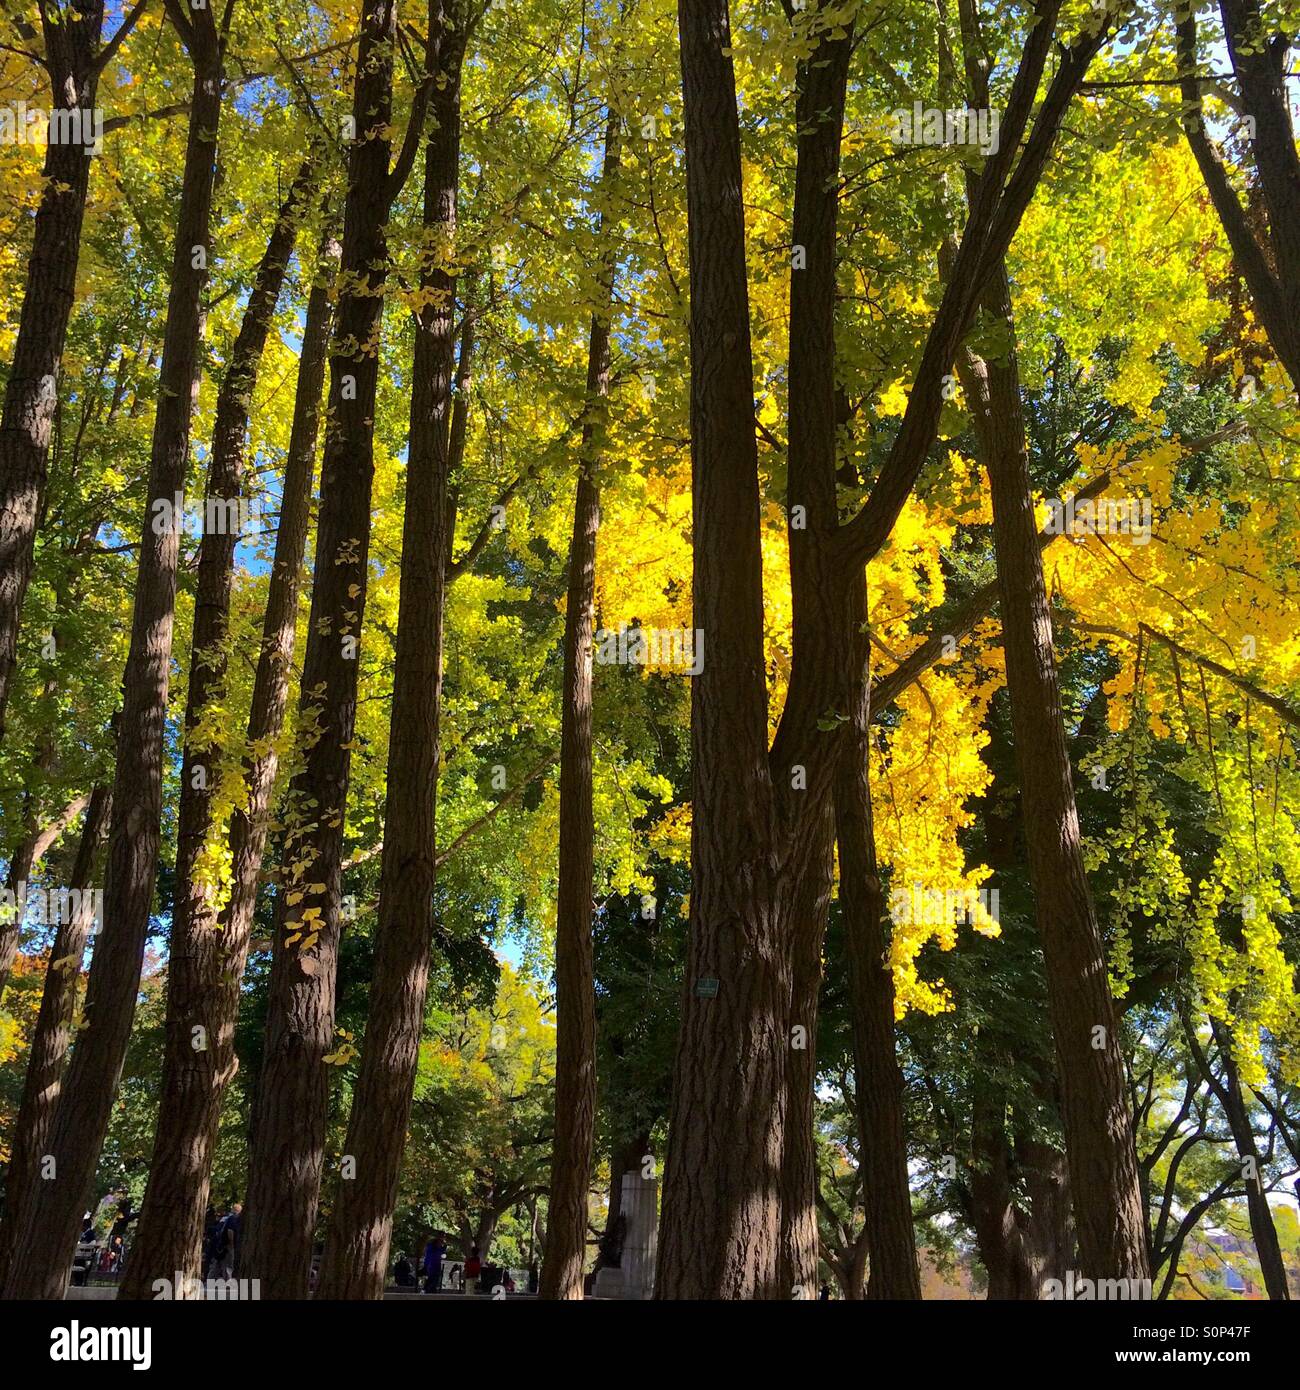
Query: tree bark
x: 1094, y: 1109
x: 1000, y: 1225
x: 169, y: 1236
x: 43, y: 1250
x: 575, y: 984
x: 721, y: 1226
x: 882, y: 1142
x: 821, y: 636
x: 52, y: 1036
x: 1109, y: 1215
x: 355, y: 1264
x: 799, y: 1236
x: 287, y: 1152
x: 72, y: 47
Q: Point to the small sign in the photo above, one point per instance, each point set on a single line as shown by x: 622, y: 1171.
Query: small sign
x: 706, y: 987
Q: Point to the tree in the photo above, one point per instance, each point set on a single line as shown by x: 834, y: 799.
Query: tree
x: 286, y: 1157
x: 356, y: 1251
x: 48, y: 1231
x: 75, y: 57
x: 575, y: 986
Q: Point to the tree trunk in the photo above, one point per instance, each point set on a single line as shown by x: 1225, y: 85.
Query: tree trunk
x: 52, y: 1035
x: 811, y: 506
x: 292, y: 1105
x: 799, y: 1237
x: 1262, y: 1227
x: 1047, y: 1181
x: 43, y: 1250
x: 721, y: 1227
x: 169, y: 1236
x: 356, y: 1249
x: 575, y: 985
x: 882, y: 1143
x: 72, y: 49
x: 1099, y: 1135
x: 998, y: 1221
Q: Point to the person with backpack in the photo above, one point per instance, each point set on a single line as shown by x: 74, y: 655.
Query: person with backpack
x: 228, y: 1242
x: 433, y: 1257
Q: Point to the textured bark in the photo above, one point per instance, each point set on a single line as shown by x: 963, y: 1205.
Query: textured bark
x: 288, y: 1145
x: 1094, y: 1109
x: 1109, y: 1213
x: 850, y: 1270
x: 756, y: 818
x: 799, y: 1236
x: 882, y: 1143
x: 721, y: 1225
x: 1000, y: 1226
x: 822, y: 638
x: 1051, y: 1232
x: 44, y: 1247
x: 169, y: 1236
x: 72, y: 49
x: 52, y: 1036
x: 355, y: 1264
x: 575, y: 983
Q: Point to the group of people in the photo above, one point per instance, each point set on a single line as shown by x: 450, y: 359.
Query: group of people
x: 109, y: 1255
x: 467, y: 1276
x: 221, y: 1242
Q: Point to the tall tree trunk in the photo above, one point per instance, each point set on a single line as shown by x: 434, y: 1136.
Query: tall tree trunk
x: 816, y: 595
x: 292, y: 1105
x: 53, y: 1033
x: 799, y: 1237
x: 1094, y: 1108
x: 575, y: 983
x: 1109, y: 1215
x: 72, y: 52
x: 169, y: 1236
x: 882, y: 1143
x: 356, y: 1247
x: 721, y: 1227
x: 44, y: 1247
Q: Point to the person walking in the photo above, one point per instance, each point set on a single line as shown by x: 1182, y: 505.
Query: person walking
x: 434, y: 1253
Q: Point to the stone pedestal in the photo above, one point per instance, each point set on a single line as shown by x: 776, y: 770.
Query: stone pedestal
x: 635, y: 1278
